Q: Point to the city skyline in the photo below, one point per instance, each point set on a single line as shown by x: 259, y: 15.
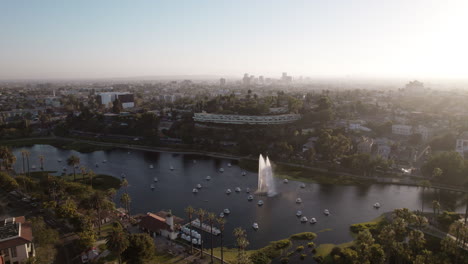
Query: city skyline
x: 358, y: 39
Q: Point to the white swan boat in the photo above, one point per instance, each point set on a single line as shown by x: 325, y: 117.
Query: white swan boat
x: 155, y: 179
x: 226, y: 211
x: 208, y: 178
x: 199, y: 186
x: 260, y: 202
x: 195, y: 190
x: 302, y: 185
x: 326, y: 212
x: 250, y: 197
x: 298, y: 213
x: 377, y: 205
x: 285, y: 180
x: 151, y: 166
x: 255, y: 226
x: 304, y: 219
x: 221, y: 170
x: 298, y: 200
x: 228, y: 191
x: 238, y: 189
x: 313, y: 220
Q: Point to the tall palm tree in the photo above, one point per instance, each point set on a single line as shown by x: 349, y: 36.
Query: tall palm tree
x: 238, y: 233
x: 201, y: 215
x: 41, y: 161
x: 83, y: 172
x: 73, y: 161
x: 23, y: 155
x: 8, y: 159
x: 435, y: 208
x: 97, y: 200
x: 91, y: 176
x: 27, y: 153
x: 125, y: 199
x: 117, y: 241
x: 211, y: 217
x: 221, y: 223
x: 424, y: 184
x: 190, y: 211
x: 124, y: 184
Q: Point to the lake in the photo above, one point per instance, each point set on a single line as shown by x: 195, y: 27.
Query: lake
x: 276, y: 218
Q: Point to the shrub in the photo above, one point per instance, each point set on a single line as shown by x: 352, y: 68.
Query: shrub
x: 290, y: 253
x: 299, y: 248
x: 356, y: 228
x: 311, y: 244
x: 284, y: 260
x: 318, y: 259
x: 259, y: 257
x: 270, y: 252
x: 303, y: 256
x: 304, y: 236
x: 335, y: 251
x: 280, y: 244
x: 447, y: 218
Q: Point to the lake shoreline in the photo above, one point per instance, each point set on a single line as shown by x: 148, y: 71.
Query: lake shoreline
x: 343, y: 177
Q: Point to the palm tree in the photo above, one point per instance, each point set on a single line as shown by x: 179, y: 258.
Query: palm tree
x: 41, y: 161
x: 238, y: 233
x: 221, y: 223
x: 117, y: 241
x: 190, y: 211
x: 424, y: 184
x: 436, y: 208
x: 124, y: 184
x: 125, y: 199
x: 91, y: 176
x: 73, y: 161
x: 23, y: 155
x: 83, y: 172
x: 111, y: 193
x: 8, y: 159
x: 201, y: 214
x: 26, y: 153
x: 96, y: 200
x: 211, y: 219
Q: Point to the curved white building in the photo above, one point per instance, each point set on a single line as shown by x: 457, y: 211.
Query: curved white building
x: 245, y: 119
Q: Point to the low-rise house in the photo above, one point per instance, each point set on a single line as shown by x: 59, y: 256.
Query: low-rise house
x: 364, y: 145
x: 461, y: 145
x: 16, y: 238
x: 162, y: 223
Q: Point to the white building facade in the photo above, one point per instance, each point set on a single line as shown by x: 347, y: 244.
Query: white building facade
x: 245, y: 119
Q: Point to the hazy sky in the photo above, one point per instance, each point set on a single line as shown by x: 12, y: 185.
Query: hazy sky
x: 358, y: 38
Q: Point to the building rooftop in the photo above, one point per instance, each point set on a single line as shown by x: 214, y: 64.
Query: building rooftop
x: 463, y: 135
x: 14, y: 232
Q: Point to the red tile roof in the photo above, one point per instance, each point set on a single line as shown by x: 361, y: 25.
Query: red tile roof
x: 24, y: 237
x: 154, y: 223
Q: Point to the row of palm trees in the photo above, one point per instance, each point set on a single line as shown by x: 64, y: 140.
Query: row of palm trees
x: 212, y: 220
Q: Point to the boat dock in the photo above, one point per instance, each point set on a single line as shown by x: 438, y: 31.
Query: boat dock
x: 205, y: 227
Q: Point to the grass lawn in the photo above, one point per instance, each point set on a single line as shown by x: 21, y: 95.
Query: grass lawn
x: 324, y: 250
x: 100, y: 182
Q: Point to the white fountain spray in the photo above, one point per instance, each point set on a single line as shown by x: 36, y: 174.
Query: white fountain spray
x: 266, y: 184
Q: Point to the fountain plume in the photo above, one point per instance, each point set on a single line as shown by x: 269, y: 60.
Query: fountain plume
x: 266, y: 184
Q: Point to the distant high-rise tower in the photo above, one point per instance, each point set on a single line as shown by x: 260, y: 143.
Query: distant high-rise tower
x: 222, y: 82
x: 246, y: 79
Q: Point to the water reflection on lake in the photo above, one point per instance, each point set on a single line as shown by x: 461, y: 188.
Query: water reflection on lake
x: 276, y: 218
